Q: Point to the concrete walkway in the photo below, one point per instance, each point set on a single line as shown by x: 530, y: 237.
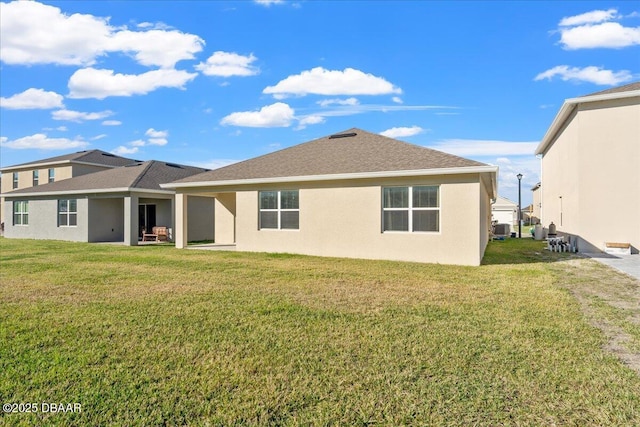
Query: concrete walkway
x: 629, y: 264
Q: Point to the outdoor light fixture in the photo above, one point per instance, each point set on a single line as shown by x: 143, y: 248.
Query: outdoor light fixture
x: 519, y: 176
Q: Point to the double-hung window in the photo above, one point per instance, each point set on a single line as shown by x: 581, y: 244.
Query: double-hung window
x: 279, y: 210
x: 36, y: 177
x: 15, y: 180
x: 52, y: 175
x: 413, y: 209
x: 21, y: 212
x: 67, y: 213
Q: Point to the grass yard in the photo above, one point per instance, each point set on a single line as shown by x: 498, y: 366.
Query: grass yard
x: 157, y: 336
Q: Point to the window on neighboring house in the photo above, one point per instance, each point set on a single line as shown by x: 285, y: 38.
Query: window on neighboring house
x: 52, y: 175
x: 67, y: 213
x: 36, y: 177
x: 15, y: 180
x: 21, y: 212
x: 279, y: 210
x: 415, y: 209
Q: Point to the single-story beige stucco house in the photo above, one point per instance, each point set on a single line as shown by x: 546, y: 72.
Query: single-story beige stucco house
x: 112, y: 205
x: 590, y: 185
x: 354, y: 194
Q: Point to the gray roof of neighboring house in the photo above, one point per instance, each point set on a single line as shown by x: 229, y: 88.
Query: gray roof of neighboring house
x: 96, y: 157
x: 351, y: 151
x: 141, y: 176
x: 626, y: 88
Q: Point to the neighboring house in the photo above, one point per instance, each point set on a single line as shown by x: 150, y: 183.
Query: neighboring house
x: 504, y: 211
x: 591, y: 169
x: 354, y: 194
x: 56, y: 169
x: 536, y: 207
x: 108, y: 206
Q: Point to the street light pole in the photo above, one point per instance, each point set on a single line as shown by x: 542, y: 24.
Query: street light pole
x: 519, y: 205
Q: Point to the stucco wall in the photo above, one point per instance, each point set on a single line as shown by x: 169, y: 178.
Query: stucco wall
x: 200, y: 226
x: 594, y: 164
x: 43, y: 222
x: 106, y: 220
x: 344, y: 219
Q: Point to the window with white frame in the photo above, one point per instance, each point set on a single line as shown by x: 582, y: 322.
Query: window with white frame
x: 279, y: 210
x: 15, y: 180
x: 67, y: 213
x: 21, y: 212
x: 36, y: 178
x: 414, y: 209
x: 52, y: 175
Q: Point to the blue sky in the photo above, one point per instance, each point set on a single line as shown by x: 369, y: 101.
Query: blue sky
x: 209, y: 83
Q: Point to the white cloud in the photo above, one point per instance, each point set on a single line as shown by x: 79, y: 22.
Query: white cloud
x: 111, y: 123
x: 41, y: 141
x: 476, y: 147
x: 79, y: 116
x: 605, y: 35
x: 320, y: 81
x: 213, y: 164
x: 402, y: 131
x: 34, y: 33
x: 151, y: 132
x: 274, y: 115
x: 337, y: 101
x: 594, y: 30
x: 592, y: 17
x: 158, y: 141
x: 397, y: 100
x: 122, y: 150
x: 228, y: 64
x: 138, y: 143
x: 268, y: 3
x: 589, y: 74
x: 156, y: 47
x: 33, y: 99
x: 305, y: 121
x: 97, y: 137
x: 99, y: 84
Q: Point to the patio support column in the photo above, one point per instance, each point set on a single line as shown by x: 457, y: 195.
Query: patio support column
x: 131, y: 220
x: 225, y: 218
x: 180, y: 232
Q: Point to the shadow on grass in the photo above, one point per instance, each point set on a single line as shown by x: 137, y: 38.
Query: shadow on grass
x: 521, y: 251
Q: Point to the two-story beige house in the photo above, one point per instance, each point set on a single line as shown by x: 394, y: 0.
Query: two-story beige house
x: 55, y: 169
x: 590, y: 185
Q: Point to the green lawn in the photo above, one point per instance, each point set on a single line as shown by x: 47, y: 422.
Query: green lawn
x: 158, y: 336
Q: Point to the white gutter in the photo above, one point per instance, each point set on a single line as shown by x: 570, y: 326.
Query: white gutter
x: 568, y: 107
x: 333, y: 177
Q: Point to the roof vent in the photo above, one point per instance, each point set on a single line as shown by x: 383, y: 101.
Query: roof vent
x: 108, y: 154
x: 343, y: 135
x: 132, y: 165
x: 173, y: 165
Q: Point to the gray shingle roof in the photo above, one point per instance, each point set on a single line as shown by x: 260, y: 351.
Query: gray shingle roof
x: 97, y: 157
x: 141, y: 175
x: 626, y: 88
x: 360, y: 153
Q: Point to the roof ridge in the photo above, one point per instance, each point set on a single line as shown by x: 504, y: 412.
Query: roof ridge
x: 143, y: 173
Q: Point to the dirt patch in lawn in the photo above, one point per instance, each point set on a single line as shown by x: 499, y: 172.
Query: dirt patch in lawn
x: 610, y: 301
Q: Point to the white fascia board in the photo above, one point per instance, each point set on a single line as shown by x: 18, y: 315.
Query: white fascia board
x: 568, y: 107
x: 335, y: 177
x: 87, y: 191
